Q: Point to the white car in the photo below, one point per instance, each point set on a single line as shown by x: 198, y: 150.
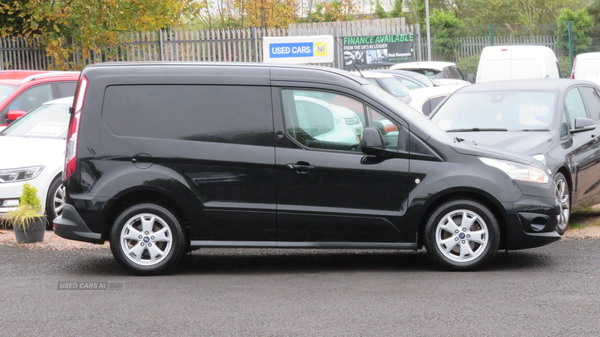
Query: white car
x: 33, y: 152
x: 425, y: 100
x: 328, y: 122
x: 445, y: 73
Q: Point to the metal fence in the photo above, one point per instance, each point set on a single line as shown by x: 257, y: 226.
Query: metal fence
x: 473, y: 45
x: 227, y: 45
x: 239, y: 45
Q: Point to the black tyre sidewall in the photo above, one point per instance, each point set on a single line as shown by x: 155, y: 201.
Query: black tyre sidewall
x: 50, y: 212
x: 178, y: 244
x: 471, y: 205
x: 558, y: 177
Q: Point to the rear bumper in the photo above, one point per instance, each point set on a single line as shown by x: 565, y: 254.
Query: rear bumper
x: 69, y: 225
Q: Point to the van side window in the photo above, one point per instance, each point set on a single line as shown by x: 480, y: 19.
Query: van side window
x: 326, y: 120
x: 210, y: 113
x: 574, y: 106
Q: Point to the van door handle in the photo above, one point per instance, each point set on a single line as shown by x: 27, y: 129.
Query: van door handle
x: 301, y: 168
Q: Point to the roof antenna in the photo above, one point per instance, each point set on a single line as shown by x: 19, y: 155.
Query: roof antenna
x: 353, y: 63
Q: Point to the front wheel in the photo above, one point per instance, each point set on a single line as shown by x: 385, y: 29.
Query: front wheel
x: 563, y: 195
x: 147, y: 239
x: 462, y: 235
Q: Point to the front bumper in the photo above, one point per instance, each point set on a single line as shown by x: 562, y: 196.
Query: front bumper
x: 531, y: 222
x: 69, y: 225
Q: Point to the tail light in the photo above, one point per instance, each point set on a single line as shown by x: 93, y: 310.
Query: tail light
x: 71, y: 153
x: 573, y: 70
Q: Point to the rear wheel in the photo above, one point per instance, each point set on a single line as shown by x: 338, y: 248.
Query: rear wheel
x: 147, y: 239
x: 55, y: 200
x: 462, y: 235
x: 563, y: 196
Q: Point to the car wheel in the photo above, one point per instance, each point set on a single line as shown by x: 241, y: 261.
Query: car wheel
x: 563, y: 196
x: 55, y: 200
x: 462, y: 235
x: 147, y: 239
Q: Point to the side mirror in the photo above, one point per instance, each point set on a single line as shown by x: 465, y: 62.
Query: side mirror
x: 583, y: 125
x: 471, y: 78
x: 15, y: 114
x: 372, y: 142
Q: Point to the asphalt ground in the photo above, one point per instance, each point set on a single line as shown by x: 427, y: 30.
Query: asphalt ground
x: 546, y: 291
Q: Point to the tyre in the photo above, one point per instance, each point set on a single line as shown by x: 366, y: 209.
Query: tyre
x: 563, y: 195
x: 462, y: 235
x: 147, y: 239
x: 55, y: 200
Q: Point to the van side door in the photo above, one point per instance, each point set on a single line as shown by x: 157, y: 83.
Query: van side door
x: 327, y: 189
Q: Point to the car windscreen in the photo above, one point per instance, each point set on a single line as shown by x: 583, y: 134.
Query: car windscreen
x: 6, y: 90
x: 395, y: 86
x: 47, y: 121
x: 509, y: 110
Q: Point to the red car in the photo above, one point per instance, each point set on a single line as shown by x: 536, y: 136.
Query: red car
x: 24, y: 90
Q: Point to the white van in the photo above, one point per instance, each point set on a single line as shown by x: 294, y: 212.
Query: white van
x: 516, y: 62
x: 586, y: 66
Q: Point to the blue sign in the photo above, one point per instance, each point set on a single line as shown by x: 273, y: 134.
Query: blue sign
x: 298, y: 49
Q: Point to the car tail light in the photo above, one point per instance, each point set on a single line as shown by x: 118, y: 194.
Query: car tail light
x: 573, y: 70
x: 71, y: 153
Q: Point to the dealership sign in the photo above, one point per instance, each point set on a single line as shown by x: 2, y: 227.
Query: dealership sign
x: 378, y: 50
x: 298, y: 49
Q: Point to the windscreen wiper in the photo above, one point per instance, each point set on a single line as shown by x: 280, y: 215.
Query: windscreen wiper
x: 476, y: 129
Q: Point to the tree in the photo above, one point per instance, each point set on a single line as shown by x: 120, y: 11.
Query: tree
x: 528, y: 16
x: 446, y: 30
x: 88, y: 25
x: 582, y: 24
x: 337, y: 10
x: 380, y: 13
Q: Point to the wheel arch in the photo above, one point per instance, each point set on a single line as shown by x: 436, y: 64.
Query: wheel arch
x: 456, y: 194
x: 139, y: 196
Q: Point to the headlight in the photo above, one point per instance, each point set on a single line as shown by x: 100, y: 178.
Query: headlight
x: 540, y: 157
x: 517, y: 171
x: 20, y: 174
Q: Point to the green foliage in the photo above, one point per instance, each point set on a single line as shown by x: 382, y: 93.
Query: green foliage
x: 333, y: 11
x: 380, y: 13
x: 564, y: 63
x: 396, y: 12
x: 30, y: 207
x: 582, y: 24
x: 594, y: 10
x: 445, y: 31
x: 528, y: 16
x: 469, y: 65
x: 88, y: 25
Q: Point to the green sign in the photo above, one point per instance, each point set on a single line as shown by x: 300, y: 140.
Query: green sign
x: 377, y: 51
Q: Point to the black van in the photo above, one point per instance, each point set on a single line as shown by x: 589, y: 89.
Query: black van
x: 165, y: 158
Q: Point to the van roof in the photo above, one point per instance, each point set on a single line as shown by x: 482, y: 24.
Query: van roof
x: 234, y: 65
x: 520, y: 46
x: 583, y: 56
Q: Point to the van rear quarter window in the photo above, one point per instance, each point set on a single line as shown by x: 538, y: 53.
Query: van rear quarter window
x: 213, y: 113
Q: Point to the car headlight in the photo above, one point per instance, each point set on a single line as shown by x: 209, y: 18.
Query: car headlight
x: 517, y: 171
x: 20, y: 174
x: 540, y: 157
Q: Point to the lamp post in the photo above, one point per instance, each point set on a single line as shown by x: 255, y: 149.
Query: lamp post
x: 428, y: 32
